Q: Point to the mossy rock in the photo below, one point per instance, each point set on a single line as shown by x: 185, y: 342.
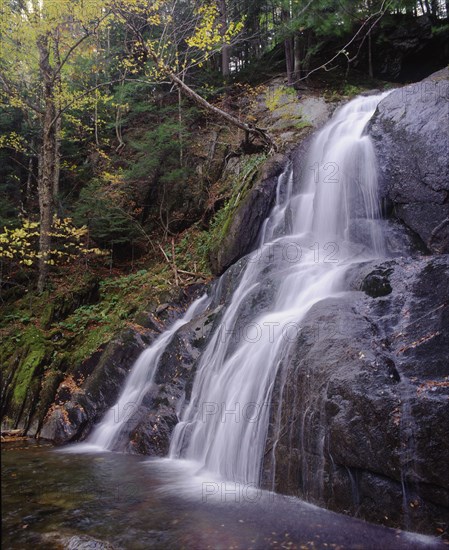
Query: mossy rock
x: 56, y: 308
x: 237, y: 234
x: 48, y: 388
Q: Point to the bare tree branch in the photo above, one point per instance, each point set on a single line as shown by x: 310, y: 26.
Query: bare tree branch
x: 381, y: 12
x: 89, y: 32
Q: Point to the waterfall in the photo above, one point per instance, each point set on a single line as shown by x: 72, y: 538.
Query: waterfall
x: 320, y: 225
x: 322, y: 222
x: 138, y: 384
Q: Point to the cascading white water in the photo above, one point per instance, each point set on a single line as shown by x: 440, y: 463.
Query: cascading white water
x: 138, y: 384
x: 307, y: 244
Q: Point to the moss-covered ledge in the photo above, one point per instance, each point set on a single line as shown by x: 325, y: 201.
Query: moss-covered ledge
x: 243, y: 227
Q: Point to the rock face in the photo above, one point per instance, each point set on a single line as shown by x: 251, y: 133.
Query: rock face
x: 154, y: 422
x: 151, y: 426
x: 365, y: 399
x: 83, y: 398
x: 94, y: 386
x: 408, y: 48
x: 410, y: 130
x: 244, y: 228
x: 27, y: 388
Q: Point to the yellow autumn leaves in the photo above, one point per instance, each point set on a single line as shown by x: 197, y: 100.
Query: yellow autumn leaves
x: 208, y: 34
x: 13, y: 141
x: 20, y: 244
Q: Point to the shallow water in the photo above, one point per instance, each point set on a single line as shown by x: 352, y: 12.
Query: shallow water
x: 49, y: 495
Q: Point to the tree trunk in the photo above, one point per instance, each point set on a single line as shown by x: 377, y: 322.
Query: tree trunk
x: 97, y: 140
x: 434, y: 7
x: 56, y: 80
x: 288, y: 47
x: 297, y: 59
x: 57, y: 167
x: 225, y: 48
x: 45, y: 191
x: 46, y: 178
x: 118, y: 117
x: 225, y: 61
x: 289, y: 60
x: 308, y: 43
x: 370, y: 56
x: 181, y: 144
x: 29, y: 183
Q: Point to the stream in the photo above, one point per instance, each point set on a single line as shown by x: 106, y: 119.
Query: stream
x: 50, y: 499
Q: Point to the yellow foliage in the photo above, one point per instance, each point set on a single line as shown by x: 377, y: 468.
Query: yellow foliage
x: 14, y: 141
x: 207, y: 35
x: 20, y: 244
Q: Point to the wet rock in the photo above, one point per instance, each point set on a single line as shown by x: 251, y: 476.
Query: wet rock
x: 377, y: 284
x: 365, y: 399
x: 84, y: 542
x: 55, y: 539
x: 161, y: 308
x: 78, y: 405
x: 149, y: 320
x: 154, y: 423
x: 91, y: 388
x: 400, y: 240
x: 410, y: 131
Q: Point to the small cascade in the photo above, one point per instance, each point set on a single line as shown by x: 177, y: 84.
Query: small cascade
x: 138, y: 384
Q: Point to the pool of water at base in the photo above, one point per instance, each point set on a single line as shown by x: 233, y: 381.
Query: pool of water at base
x: 52, y: 499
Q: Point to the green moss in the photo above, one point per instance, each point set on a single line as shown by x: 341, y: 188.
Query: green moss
x: 274, y: 98
x: 25, y: 373
x: 242, y: 184
x: 193, y: 251
x: 350, y: 90
x: 7, y: 348
x: 120, y: 300
x: 48, y: 390
x: 91, y: 341
x: 35, y: 353
x: 441, y: 31
x: 47, y: 313
x: 346, y: 91
x: 303, y: 124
